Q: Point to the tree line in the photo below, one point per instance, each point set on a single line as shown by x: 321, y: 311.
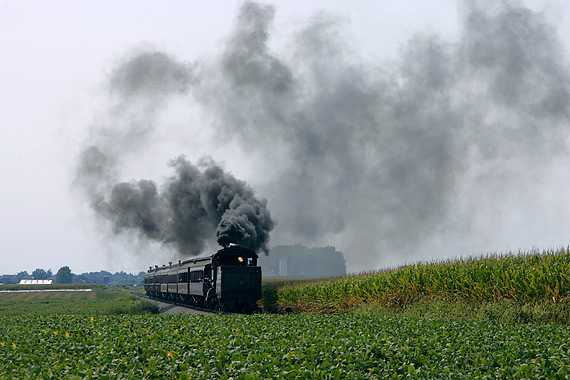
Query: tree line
x: 65, y: 276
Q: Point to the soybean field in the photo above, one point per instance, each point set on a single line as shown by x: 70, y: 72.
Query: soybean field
x: 260, y: 346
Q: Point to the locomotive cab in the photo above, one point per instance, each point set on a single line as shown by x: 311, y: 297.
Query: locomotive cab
x: 235, y: 256
x: 237, y: 279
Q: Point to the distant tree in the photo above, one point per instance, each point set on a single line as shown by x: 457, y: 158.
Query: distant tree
x: 93, y: 277
x: 22, y: 275
x: 63, y: 276
x: 40, y: 274
x: 103, y: 277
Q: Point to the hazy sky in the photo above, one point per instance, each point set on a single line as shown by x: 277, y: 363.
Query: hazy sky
x: 59, y: 58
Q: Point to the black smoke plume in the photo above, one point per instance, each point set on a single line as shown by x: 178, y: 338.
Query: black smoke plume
x: 192, y: 208
x: 442, y: 149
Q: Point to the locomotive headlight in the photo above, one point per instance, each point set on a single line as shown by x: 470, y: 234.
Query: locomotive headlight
x: 240, y: 259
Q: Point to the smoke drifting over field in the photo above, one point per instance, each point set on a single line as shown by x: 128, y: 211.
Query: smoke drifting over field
x: 193, y: 206
x: 379, y: 158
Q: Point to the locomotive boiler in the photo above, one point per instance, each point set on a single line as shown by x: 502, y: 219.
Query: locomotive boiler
x: 229, y: 280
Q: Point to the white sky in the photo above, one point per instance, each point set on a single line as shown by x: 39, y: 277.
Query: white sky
x: 54, y: 60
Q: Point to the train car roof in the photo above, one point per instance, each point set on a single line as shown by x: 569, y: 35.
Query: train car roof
x: 231, y: 251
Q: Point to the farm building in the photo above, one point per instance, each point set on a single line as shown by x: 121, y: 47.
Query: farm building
x: 36, y: 282
x: 301, y: 261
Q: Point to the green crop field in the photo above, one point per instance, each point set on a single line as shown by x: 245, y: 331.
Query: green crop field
x: 531, y: 286
x: 277, y: 347
x: 392, y: 324
x: 101, y: 300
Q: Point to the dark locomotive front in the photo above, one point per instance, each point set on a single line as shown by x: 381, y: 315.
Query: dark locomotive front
x: 229, y: 280
x: 237, y: 279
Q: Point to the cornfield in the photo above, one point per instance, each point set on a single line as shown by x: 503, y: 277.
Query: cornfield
x: 522, y: 277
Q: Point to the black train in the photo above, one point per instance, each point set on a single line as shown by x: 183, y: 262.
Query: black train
x: 229, y: 280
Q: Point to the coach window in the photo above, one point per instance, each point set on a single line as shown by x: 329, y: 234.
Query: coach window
x: 208, y: 271
x: 196, y: 276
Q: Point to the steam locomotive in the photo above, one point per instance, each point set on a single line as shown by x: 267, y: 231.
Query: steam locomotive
x: 229, y: 281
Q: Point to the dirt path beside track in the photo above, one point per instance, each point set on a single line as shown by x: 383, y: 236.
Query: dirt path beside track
x: 168, y: 308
